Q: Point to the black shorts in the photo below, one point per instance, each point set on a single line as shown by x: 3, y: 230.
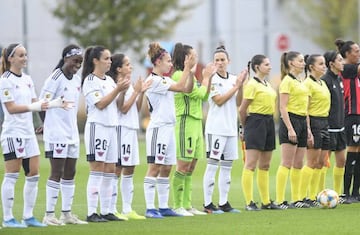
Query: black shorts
x: 319, y: 128
x: 299, y: 124
x: 337, y: 140
x: 259, y: 132
x: 352, y: 129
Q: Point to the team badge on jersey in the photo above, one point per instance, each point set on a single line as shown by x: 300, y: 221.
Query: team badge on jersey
x: 59, y: 151
x: 96, y: 94
x: 160, y: 159
x: 47, y: 96
x: 164, y: 81
x: 212, y: 87
x: 100, y: 153
x: 7, y: 95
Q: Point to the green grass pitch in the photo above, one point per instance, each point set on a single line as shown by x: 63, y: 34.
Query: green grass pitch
x: 342, y: 220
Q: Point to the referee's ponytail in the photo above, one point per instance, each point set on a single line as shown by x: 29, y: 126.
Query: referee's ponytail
x: 287, y: 57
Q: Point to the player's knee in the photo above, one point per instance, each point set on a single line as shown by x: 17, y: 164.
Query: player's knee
x: 68, y: 175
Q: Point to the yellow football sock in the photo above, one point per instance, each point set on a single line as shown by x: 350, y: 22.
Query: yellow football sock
x: 281, y: 181
x: 314, y: 184
x: 306, y: 174
x: 322, y: 184
x: 295, y: 184
x: 338, y: 176
x: 263, y: 186
x: 247, y: 181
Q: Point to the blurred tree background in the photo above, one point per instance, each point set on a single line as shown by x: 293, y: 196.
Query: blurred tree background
x: 322, y: 21
x: 120, y: 24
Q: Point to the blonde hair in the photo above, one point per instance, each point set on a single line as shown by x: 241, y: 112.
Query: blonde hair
x: 6, y: 53
x: 155, y: 52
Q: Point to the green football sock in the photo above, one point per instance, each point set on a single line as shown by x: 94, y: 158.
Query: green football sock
x: 187, y: 191
x: 178, y: 183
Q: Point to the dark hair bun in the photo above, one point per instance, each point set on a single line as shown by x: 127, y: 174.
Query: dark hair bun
x: 339, y: 43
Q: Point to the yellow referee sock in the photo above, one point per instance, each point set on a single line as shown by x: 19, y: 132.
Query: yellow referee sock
x: 314, y: 184
x: 247, y: 181
x: 322, y: 184
x: 281, y: 181
x: 305, y: 179
x: 295, y: 184
x: 263, y: 186
x: 338, y: 176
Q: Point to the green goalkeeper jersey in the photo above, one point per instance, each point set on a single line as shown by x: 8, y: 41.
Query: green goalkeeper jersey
x: 189, y: 103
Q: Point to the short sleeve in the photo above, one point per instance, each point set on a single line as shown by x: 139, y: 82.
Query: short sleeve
x: 159, y: 84
x: 6, y: 90
x: 249, y: 91
x: 49, y: 89
x: 285, y: 86
x: 92, y: 91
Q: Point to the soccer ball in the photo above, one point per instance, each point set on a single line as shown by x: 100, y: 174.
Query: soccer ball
x: 328, y: 198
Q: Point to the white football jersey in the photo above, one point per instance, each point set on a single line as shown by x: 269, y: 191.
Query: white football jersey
x: 94, y: 89
x: 222, y: 120
x: 20, y: 90
x: 160, y: 101
x: 60, y: 125
x: 131, y: 118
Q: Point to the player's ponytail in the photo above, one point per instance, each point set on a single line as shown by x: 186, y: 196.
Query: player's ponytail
x: 117, y: 61
x: 92, y: 52
x: 178, y: 56
x: 343, y: 46
x: 6, y: 53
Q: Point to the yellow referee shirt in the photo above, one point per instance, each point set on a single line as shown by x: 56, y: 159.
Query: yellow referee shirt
x: 298, y: 95
x: 319, y: 105
x: 262, y: 95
